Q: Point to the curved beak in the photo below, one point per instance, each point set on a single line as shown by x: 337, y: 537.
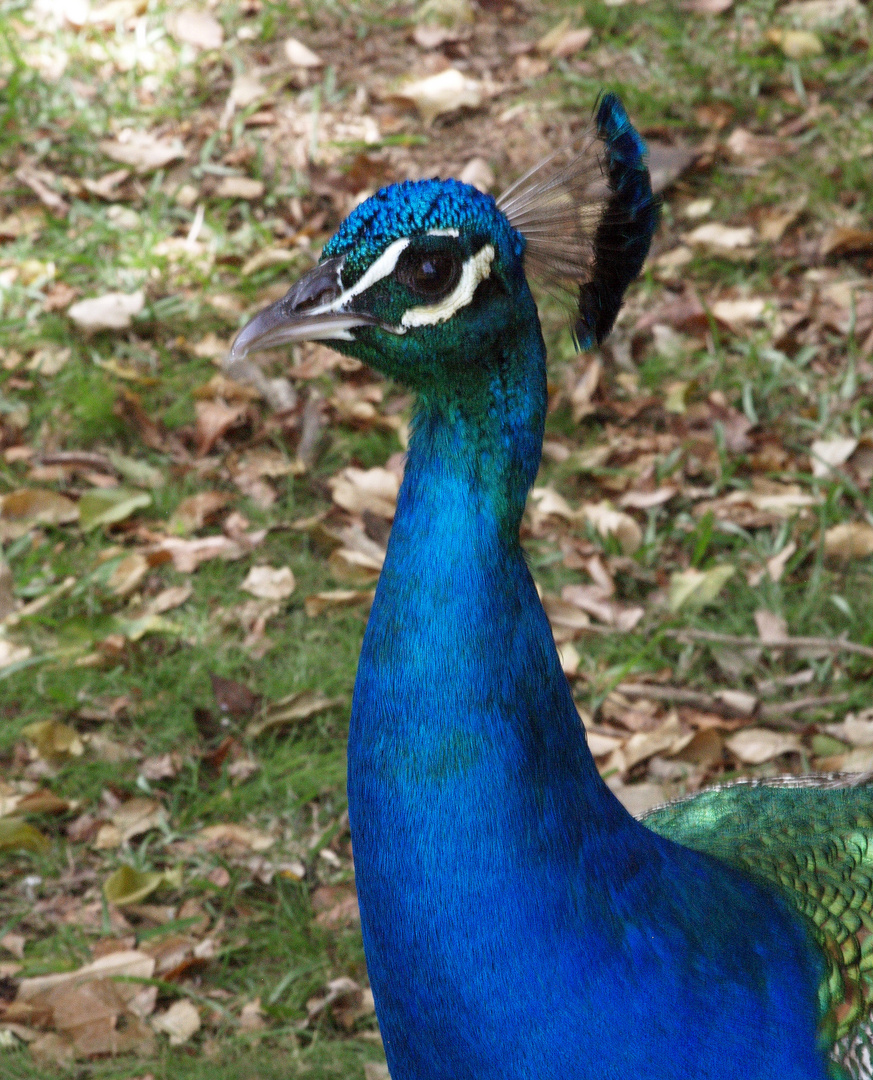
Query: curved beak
x: 315, y: 309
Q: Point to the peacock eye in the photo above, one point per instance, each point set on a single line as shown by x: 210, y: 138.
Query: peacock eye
x: 430, y: 275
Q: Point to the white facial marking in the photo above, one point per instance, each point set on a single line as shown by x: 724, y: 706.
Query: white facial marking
x: 381, y: 268
x: 476, y: 269
x: 443, y: 232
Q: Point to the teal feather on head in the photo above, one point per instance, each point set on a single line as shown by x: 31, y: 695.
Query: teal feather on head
x: 414, y: 208
x: 518, y: 923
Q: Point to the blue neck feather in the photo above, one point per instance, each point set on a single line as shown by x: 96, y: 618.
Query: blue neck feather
x: 517, y: 921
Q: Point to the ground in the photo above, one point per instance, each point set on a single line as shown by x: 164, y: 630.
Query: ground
x: 188, y: 553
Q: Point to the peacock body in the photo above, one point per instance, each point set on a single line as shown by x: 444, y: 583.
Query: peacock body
x: 517, y: 921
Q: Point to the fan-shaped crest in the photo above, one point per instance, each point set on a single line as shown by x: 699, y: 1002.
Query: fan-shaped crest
x: 588, y: 214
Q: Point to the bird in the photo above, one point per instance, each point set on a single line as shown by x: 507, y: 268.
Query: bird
x: 518, y: 922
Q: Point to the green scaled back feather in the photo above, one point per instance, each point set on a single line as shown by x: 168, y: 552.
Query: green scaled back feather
x: 811, y: 838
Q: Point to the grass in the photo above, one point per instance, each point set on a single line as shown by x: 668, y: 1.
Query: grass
x: 67, y: 89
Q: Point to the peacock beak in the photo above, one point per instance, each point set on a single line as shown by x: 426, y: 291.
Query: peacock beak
x: 314, y: 309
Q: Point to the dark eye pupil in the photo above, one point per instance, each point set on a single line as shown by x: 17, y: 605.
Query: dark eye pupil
x: 431, y: 276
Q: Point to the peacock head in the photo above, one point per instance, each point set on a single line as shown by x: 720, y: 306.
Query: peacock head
x: 420, y: 275
x: 425, y: 279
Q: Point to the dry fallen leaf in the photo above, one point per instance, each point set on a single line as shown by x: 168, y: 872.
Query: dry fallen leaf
x: 478, y: 173
x: 563, y: 41
x: 214, y: 420
x: 335, y: 906
x: 198, y: 28
x: 856, y: 729
x: 130, y: 962
x: 194, y: 512
x: 859, y: 760
x: 740, y: 313
x: 292, y: 710
x: 827, y: 454
x: 776, y: 565
x: 108, y: 506
x: 267, y: 257
x: 813, y: 13
x: 16, y: 835
x: 233, y: 839
x: 721, y: 238
x: 348, y: 1001
x: 187, y: 555
x: 771, y: 628
x: 54, y: 741
x: 374, y: 490
x: 637, y: 799
x: 376, y: 1070
x: 239, y: 187
x: 756, y: 150
x: 569, y: 657
x: 86, y: 1016
x: 26, y: 508
x: 319, y: 602
x: 180, y: 1022
x: 168, y: 599
x: 162, y: 767
x: 844, y: 240
x: 596, y: 601
x: 128, y: 574
x: 796, y: 44
x: 142, y: 150
x: 849, y: 540
x: 668, y: 737
x: 584, y: 388
x: 754, y: 746
x: 128, y: 885
x: 50, y: 360
x: 608, y: 521
x: 11, y: 653
x: 269, y: 583
x: 14, y: 943
x: 774, y: 223
x: 566, y: 619
x: 246, y: 90
x: 299, y: 55
x: 443, y: 93
x: 696, y: 588
x: 251, y: 1017
x: 707, y: 7
x: 112, y: 311
x: 433, y: 37
x: 137, y: 816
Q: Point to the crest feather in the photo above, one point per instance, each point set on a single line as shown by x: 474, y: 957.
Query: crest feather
x: 588, y: 215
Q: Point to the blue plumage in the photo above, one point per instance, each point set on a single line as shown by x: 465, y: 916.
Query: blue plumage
x: 621, y: 242
x: 415, y: 207
x: 518, y: 922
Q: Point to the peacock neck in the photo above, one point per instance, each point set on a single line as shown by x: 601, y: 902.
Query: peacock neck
x: 482, y: 449
x: 461, y: 707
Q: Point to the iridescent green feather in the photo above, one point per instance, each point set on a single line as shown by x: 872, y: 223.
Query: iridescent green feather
x: 812, y: 839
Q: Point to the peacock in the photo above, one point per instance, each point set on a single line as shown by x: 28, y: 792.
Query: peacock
x: 518, y: 922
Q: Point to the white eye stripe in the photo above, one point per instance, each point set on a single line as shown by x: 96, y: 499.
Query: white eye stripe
x: 474, y: 271
x: 381, y: 268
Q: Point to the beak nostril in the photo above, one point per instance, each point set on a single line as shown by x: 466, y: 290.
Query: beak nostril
x: 321, y: 286
x: 324, y: 296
